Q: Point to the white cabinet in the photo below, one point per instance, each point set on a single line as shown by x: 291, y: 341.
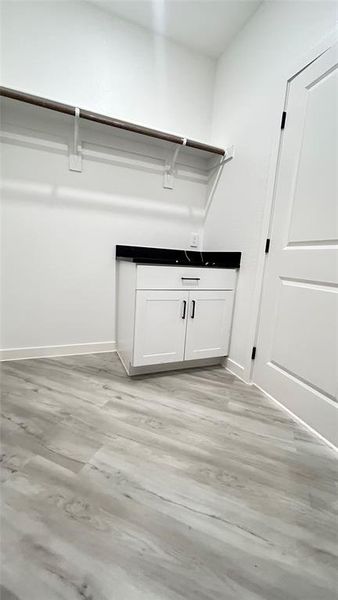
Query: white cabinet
x: 151, y: 277
x: 208, y: 325
x: 162, y: 326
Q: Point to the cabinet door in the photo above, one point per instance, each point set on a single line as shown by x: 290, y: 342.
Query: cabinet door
x: 209, y: 322
x: 160, y: 326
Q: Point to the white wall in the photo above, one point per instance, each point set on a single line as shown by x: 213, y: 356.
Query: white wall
x: 76, y: 53
x: 249, y: 96
x: 59, y: 228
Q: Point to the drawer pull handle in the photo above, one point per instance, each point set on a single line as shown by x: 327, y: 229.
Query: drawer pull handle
x: 184, y: 309
x: 193, y: 309
x: 191, y: 278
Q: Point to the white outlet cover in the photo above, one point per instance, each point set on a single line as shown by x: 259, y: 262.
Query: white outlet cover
x: 194, y: 240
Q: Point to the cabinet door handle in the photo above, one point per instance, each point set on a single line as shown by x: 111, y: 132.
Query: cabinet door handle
x: 184, y: 309
x: 191, y: 278
x: 193, y: 302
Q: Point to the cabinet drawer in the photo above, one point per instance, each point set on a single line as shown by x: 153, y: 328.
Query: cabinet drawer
x: 150, y: 277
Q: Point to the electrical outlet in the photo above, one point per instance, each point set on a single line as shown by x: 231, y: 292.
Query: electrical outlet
x: 194, y: 240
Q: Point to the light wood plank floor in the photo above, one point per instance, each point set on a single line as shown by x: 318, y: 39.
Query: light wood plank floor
x: 189, y: 485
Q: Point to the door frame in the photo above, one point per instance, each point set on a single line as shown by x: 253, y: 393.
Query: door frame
x: 328, y: 42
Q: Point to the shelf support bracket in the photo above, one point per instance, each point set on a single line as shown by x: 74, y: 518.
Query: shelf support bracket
x: 75, y: 156
x: 169, y: 168
x: 228, y: 155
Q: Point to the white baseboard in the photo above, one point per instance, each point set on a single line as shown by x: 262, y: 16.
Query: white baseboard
x: 284, y: 408
x: 49, y: 351
x: 235, y: 369
x: 298, y: 419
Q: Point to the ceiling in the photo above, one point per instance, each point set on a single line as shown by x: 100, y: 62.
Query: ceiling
x: 203, y: 25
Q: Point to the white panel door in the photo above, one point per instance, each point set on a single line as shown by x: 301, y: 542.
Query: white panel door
x: 160, y: 325
x: 297, y: 360
x: 209, y: 322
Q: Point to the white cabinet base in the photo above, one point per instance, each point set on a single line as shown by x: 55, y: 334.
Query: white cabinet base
x: 174, y: 366
x: 186, y: 324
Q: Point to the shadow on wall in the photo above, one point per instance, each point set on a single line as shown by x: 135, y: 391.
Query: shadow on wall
x: 123, y: 175
x: 83, y: 199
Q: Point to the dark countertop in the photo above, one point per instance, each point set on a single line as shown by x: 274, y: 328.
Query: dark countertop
x: 170, y: 256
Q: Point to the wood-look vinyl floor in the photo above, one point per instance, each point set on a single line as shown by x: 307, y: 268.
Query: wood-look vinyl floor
x: 176, y: 486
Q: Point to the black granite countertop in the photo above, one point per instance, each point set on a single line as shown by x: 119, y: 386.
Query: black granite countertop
x: 171, y: 256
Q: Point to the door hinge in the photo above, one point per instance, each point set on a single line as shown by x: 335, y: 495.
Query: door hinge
x: 282, y: 125
x: 253, y: 353
x: 267, y: 246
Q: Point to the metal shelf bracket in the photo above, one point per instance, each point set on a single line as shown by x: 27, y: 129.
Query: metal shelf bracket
x: 169, y: 167
x: 75, y: 155
x: 228, y: 155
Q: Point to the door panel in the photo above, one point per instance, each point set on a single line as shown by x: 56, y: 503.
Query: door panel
x: 159, y: 326
x: 308, y: 311
x: 209, y: 322
x: 314, y: 212
x: 297, y: 358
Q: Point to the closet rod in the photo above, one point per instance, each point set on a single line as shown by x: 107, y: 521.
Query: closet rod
x: 104, y: 120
